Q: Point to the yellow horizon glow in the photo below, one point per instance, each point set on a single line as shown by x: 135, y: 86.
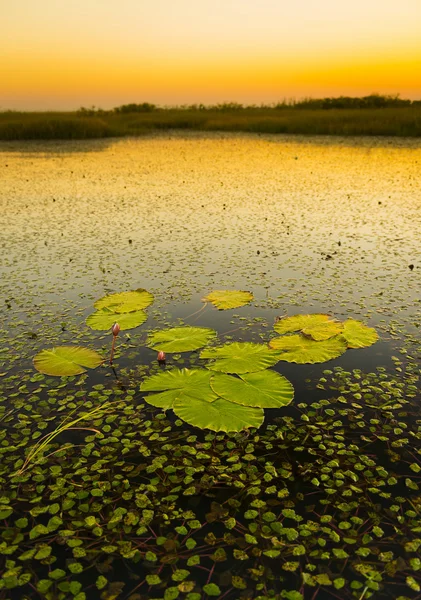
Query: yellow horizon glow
x: 108, y: 53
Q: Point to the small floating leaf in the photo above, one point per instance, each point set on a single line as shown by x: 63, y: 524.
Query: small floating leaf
x: 180, y: 339
x: 300, y: 349
x: 226, y: 299
x: 104, y: 319
x: 264, y: 389
x: 359, y: 335
x: 220, y: 415
x: 241, y: 357
x: 178, y: 384
x: 66, y: 360
x: 125, y: 302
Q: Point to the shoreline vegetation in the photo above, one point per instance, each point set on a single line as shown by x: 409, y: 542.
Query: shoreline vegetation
x: 373, y: 115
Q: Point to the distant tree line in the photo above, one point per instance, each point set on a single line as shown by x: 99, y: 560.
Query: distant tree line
x: 341, y: 102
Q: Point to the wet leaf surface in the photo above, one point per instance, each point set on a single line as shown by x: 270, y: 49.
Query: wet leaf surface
x: 265, y: 389
x: 226, y: 299
x: 66, y: 360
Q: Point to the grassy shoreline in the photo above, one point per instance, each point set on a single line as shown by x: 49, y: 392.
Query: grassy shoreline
x: 88, y: 124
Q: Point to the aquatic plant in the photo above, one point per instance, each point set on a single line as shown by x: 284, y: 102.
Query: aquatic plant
x: 180, y: 339
x: 226, y: 299
x: 66, y: 360
x: 127, y: 307
x: 115, y: 329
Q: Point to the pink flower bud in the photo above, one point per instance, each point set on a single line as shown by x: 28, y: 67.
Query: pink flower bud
x: 161, y: 356
x: 115, y: 329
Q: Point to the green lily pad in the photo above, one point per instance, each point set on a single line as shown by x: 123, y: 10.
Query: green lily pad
x: 300, y: 349
x: 66, y: 360
x: 241, y: 357
x: 264, y: 389
x: 220, y: 415
x: 323, y: 331
x: 300, y: 322
x: 359, y: 335
x: 178, y: 384
x: 125, y: 302
x: 104, y: 319
x: 181, y: 339
x: 226, y: 299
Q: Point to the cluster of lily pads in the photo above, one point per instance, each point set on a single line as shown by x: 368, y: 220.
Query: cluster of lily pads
x: 236, y: 384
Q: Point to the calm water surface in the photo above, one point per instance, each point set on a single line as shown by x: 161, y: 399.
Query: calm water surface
x: 307, y: 224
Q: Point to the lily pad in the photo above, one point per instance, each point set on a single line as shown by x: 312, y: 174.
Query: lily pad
x: 220, y: 415
x: 66, y: 360
x: 181, y: 339
x: 104, y: 319
x: 226, y: 299
x: 264, y: 389
x: 323, y: 331
x: 125, y: 302
x: 300, y: 349
x: 241, y: 357
x: 178, y: 384
x: 300, y: 322
x: 359, y: 335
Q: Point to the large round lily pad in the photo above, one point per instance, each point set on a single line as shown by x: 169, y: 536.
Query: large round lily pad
x: 66, y: 360
x: 181, y: 339
x: 125, y: 302
x: 102, y: 320
x: 301, y: 349
x: 241, y: 357
x: 226, y: 299
x: 299, y: 322
x: 178, y: 384
x: 264, y: 389
x: 323, y: 331
x: 220, y: 415
x: 359, y: 335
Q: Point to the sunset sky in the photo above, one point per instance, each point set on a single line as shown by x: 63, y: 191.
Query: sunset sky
x: 61, y: 54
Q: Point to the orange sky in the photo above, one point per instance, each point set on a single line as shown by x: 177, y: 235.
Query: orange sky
x: 57, y: 54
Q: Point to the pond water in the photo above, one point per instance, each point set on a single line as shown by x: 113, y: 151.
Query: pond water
x: 323, y: 501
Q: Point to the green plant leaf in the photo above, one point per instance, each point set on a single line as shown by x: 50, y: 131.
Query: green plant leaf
x: 226, y: 299
x: 178, y: 384
x: 125, y: 302
x: 180, y: 339
x: 359, y: 335
x: 220, y: 415
x: 211, y: 589
x: 300, y: 322
x: 300, y: 349
x: 241, y: 357
x: 66, y: 360
x: 101, y: 320
x: 264, y: 389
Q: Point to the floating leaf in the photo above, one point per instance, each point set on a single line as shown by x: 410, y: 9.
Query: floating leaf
x: 178, y: 384
x: 219, y: 415
x: 299, y: 322
x: 125, y: 302
x: 181, y: 339
x: 226, y: 299
x: 241, y: 357
x: 300, y: 349
x: 359, y: 335
x: 264, y: 389
x: 323, y: 331
x: 66, y: 360
x: 104, y: 319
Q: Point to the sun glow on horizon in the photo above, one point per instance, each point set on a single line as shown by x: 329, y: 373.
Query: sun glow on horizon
x: 108, y: 53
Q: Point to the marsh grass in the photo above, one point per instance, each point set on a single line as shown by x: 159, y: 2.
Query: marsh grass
x: 390, y: 121
x: 36, y: 453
